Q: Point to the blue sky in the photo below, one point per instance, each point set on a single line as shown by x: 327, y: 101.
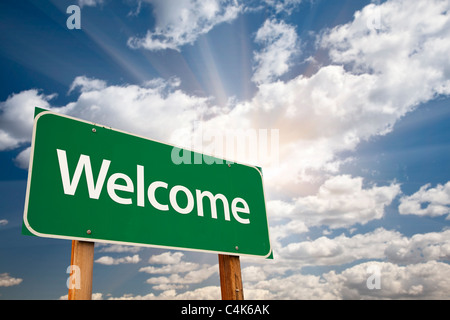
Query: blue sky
x: 358, y: 91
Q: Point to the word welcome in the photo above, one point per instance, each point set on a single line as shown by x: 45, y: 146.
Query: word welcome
x: 70, y: 185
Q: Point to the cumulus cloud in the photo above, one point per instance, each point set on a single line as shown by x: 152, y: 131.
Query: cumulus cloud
x: 137, y: 109
x: 427, y: 280
x: 23, y: 159
x: 286, y: 229
x: 166, y: 258
x: 204, y: 293
x: 7, y: 281
x: 253, y: 274
x: 376, y: 76
x: 16, y: 117
x: 283, y: 5
x: 427, y: 201
x: 195, y: 276
x: 107, y: 260
x: 420, y: 248
x: 180, y: 22
x: 116, y: 248
x: 87, y: 84
x: 417, y: 281
x: 179, y: 267
x: 342, y: 249
x: 280, y: 44
x: 180, y: 274
x: 380, y: 244
x: 341, y: 201
x: 156, y: 109
x: 95, y: 296
x: 406, y: 51
x: 89, y: 3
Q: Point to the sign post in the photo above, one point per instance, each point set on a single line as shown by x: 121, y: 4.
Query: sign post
x: 82, y: 264
x: 230, y: 277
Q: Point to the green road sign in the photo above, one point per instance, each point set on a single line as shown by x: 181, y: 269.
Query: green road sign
x: 93, y: 183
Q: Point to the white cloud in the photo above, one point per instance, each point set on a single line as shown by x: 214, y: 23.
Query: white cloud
x: 117, y: 248
x: 297, y: 286
x: 166, y: 258
x: 156, y: 110
x: 283, y: 5
x: 376, y: 77
x: 16, y: 117
x: 280, y: 44
x: 149, y: 111
x: 253, y: 274
x: 180, y: 22
x: 180, y: 273
x: 179, y: 267
x: 406, y: 52
x: 23, y: 159
x: 107, y: 260
x: 380, y: 244
x: 167, y: 287
x: 87, y: 84
x: 195, y: 276
x: 417, y: 281
x: 428, y: 280
x: 420, y: 248
x: 427, y: 201
x: 342, y: 249
x: 89, y: 3
x: 3, y: 222
x: 95, y: 296
x: 286, y: 229
x: 342, y: 201
x: 7, y: 281
x: 205, y: 293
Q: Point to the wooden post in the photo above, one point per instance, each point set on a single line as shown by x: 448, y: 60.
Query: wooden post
x: 82, y: 259
x: 230, y: 277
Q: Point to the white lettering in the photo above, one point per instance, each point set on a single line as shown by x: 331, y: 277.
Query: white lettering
x: 83, y: 163
x: 174, y: 203
x: 112, y: 187
x: 235, y: 210
x: 213, y: 200
x: 151, y: 195
x: 140, y: 186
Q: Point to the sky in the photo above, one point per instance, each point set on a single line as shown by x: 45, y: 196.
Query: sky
x: 353, y: 96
